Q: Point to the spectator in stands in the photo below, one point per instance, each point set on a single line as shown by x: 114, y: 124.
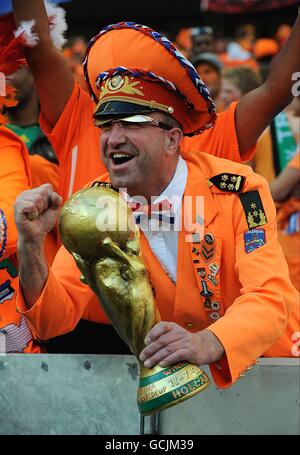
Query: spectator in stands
x: 209, y: 67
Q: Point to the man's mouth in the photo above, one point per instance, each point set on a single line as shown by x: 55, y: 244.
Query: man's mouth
x: 120, y: 158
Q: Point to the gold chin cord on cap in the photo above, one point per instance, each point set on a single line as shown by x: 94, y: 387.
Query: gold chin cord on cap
x: 98, y: 229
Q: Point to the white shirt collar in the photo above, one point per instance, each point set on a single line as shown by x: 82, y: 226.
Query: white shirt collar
x: 175, y: 189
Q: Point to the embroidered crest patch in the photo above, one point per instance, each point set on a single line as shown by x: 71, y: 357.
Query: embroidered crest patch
x: 254, y: 239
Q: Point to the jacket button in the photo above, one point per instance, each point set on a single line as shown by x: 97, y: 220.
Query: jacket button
x: 190, y: 325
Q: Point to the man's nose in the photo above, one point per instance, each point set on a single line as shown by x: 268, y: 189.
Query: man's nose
x: 116, y: 134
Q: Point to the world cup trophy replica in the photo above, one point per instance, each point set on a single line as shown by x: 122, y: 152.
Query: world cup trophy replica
x: 97, y: 227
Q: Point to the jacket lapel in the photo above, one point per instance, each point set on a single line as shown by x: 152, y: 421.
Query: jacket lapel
x: 198, y: 296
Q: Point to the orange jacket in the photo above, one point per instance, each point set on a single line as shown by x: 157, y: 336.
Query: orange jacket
x: 18, y: 172
x: 15, y: 335
x: 257, y: 303
x: 77, y: 143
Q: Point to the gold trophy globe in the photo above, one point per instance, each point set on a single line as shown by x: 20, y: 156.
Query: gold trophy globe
x: 97, y: 227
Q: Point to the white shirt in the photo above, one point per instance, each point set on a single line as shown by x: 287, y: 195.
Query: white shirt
x: 164, y: 243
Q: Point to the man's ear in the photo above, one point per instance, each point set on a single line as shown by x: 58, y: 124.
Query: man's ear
x: 173, y: 140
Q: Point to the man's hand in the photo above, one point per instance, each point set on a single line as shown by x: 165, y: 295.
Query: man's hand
x: 168, y: 343
x: 36, y: 213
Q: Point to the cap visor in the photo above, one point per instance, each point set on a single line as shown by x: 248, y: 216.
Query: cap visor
x: 133, y: 119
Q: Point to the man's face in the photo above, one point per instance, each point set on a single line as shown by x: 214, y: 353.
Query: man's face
x: 135, y: 157
x: 229, y: 92
x: 210, y: 77
x: 202, y: 43
x: 22, y: 81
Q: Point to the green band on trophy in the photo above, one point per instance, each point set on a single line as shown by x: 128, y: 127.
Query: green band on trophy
x: 149, y: 379
x: 167, y: 399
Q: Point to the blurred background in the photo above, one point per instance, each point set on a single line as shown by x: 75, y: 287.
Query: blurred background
x: 88, y: 16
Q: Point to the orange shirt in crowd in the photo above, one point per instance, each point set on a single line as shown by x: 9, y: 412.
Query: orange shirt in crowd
x: 15, y: 335
x: 255, y: 305
x: 18, y: 172
x: 77, y: 144
x: 75, y: 141
x: 290, y: 241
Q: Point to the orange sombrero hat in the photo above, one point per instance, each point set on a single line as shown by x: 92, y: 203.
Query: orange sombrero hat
x: 130, y: 68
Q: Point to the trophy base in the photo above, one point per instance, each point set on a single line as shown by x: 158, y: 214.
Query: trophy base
x: 161, y: 388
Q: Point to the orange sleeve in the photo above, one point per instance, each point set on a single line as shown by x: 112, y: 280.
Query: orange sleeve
x: 64, y: 134
x: 14, y: 178
x: 75, y: 141
x: 295, y: 161
x: 63, y: 302
x: 43, y: 171
x: 257, y: 319
x: 221, y: 140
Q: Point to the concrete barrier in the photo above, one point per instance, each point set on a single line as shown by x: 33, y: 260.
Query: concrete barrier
x: 264, y: 401
x: 96, y: 394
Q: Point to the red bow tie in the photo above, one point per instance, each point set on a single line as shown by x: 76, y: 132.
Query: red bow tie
x: 161, y: 206
x: 162, y: 210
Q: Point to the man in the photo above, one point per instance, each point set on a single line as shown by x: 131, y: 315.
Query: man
x: 202, y: 40
x: 67, y: 110
x: 17, y: 173
x: 15, y: 334
x: 209, y: 66
x: 23, y: 119
x: 285, y: 190
x: 237, y: 82
x: 224, y: 296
